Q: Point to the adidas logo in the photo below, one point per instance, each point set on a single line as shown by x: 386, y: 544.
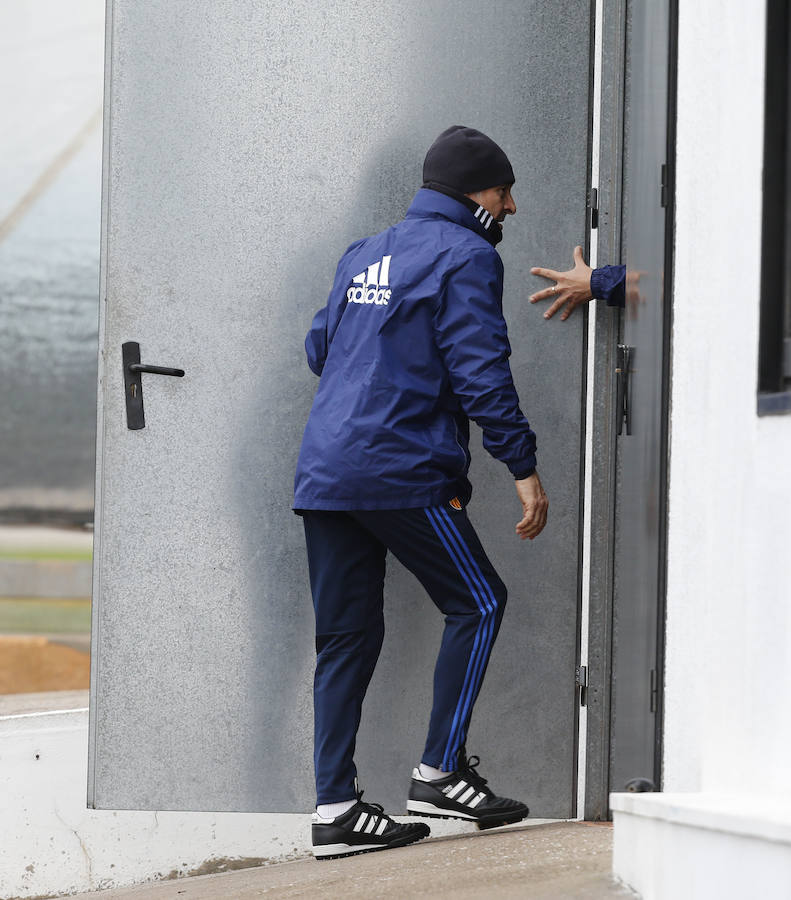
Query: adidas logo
x: 484, y: 217
x: 469, y: 797
x: 368, y: 823
x: 371, y: 286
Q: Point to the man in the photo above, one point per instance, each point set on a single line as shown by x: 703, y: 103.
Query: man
x: 410, y: 346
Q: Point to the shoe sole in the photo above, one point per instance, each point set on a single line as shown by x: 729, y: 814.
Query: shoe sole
x: 338, y: 851
x: 428, y: 810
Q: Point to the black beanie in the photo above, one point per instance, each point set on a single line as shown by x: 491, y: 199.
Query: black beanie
x: 467, y: 161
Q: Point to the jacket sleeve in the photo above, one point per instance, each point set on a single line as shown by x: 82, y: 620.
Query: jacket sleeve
x: 609, y: 283
x: 325, y: 322
x: 472, y: 338
x: 316, y: 343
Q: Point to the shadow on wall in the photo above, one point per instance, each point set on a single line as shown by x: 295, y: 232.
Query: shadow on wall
x: 282, y: 626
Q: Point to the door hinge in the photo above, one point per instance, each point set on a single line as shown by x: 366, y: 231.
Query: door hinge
x: 664, y: 187
x: 581, y: 681
x: 654, y: 690
x: 593, y: 206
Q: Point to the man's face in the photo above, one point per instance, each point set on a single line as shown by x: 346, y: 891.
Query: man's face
x: 496, y: 200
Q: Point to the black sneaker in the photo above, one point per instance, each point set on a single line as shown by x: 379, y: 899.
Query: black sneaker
x: 462, y: 795
x: 362, y: 829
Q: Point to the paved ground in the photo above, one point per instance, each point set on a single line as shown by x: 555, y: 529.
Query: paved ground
x: 540, y: 862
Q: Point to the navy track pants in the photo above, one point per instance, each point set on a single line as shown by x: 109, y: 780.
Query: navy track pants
x: 346, y: 557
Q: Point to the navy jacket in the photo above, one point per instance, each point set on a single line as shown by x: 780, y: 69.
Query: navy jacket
x: 411, y: 345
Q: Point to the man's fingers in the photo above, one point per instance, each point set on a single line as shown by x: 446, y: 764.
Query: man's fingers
x: 525, y: 530
x: 555, y: 307
x: 534, y: 520
x: 542, y: 295
x: 578, y: 257
x: 531, y: 530
x: 537, y: 526
x: 544, y: 273
x: 524, y: 527
x: 570, y: 307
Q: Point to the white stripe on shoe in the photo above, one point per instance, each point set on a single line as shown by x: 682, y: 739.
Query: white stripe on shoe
x: 381, y: 828
x: 473, y: 803
x: 371, y: 825
x: 459, y: 786
x: 463, y: 798
x: 358, y: 825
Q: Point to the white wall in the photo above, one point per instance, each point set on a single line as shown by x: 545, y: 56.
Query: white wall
x: 722, y: 829
x: 51, y: 844
x: 728, y: 667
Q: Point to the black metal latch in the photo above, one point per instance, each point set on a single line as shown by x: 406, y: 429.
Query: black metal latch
x: 593, y: 206
x: 622, y: 372
x: 133, y: 383
x: 581, y: 680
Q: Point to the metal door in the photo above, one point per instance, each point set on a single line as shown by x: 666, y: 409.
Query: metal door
x: 246, y: 145
x: 642, y: 402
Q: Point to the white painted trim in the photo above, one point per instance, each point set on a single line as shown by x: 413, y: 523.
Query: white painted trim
x: 98, y: 507
x: 749, y: 815
x: 33, y: 715
x: 582, y: 747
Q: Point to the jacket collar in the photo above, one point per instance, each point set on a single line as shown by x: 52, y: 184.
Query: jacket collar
x: 439, y: 202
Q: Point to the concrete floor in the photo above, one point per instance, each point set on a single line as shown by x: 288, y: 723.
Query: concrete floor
x: 540, y: 862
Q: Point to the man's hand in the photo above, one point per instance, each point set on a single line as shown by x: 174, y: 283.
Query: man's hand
x: 534, y: 507
x: 572, y: 288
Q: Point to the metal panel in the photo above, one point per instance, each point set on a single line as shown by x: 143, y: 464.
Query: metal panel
x: 641, y: 466
x: 246, y: 145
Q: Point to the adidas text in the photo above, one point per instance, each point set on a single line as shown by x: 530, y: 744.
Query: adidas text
x: 369, y: 295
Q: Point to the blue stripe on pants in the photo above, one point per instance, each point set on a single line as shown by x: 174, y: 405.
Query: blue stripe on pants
x: 484, y: 634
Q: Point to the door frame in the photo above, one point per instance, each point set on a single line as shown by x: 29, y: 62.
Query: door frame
x: 604, y: 455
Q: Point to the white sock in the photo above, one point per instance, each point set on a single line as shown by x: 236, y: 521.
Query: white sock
x: 331, y: 810
x: 430, y: 773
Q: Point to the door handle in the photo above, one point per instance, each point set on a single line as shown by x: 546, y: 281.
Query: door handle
x: 156, y: 370
x: 133, y: 383
x: 622, y: 373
